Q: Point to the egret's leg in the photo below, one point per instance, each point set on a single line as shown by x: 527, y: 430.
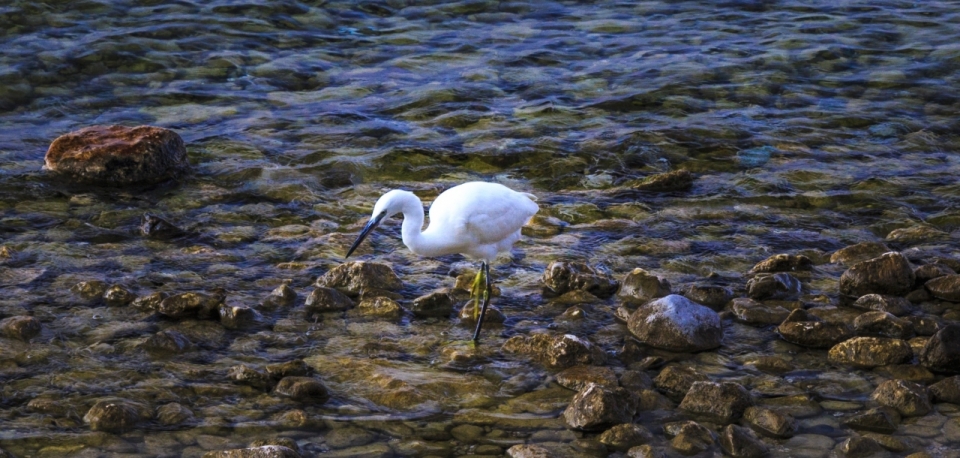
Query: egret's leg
x: 486, y: 299
x: 475, y: 292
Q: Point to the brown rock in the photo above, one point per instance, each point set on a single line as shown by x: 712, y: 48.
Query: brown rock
x: 561, y: 277
x: 355, y: 276
x: 882, y: 324
x: 946, y: 287
x: 740, y: 443
x: 805, y: 329
x: 625, y: 436
x: 640, y: 286
x: 323, y: 300
x: 942, y: 351
x: 884, y: 420
x: 20, y: 327
x: 676, y: 323
x: 302, y: 389
x: 781, y: 286
x: 770, y: 423
x: 692, y: 438
x: 757, y: 313
x: 555, y: 351
x: 437, y: 303
x: 783, y: 263
x: 118, y: 155
x: 928, y: 272
x: 596, y: 407
x: 675, y: 381
x: 894, y: 305
x: 578, y: 377
x: 265, y: 451
x: 718, y: 402
x: 115, y: 415
x: 910, y: 399
x: 117, y: 295
x: 677, y: 180
x: 853, y: 254
x: 713, y: 296
x: 946, y: 390
x: 890, y: 273
x: 868, y: 352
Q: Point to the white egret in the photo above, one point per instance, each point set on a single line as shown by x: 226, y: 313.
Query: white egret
x: 478, y: 220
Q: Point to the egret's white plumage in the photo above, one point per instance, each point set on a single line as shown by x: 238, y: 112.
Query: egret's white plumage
x: 478, y: 220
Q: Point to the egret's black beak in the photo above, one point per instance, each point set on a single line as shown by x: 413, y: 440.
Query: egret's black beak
x: 371, y: 225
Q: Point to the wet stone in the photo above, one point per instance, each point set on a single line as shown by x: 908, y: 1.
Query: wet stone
x: 116, y: 415
x: 807, y: 330
x: 149, y: 303
x: 188, y: 305
x: 868, y: 352
x: 859, y: 447
x: 167, y: 342
x: 118, y: 155
x: 561, y: 277
x: 467, y: 434
x: 89, y: 291
x: 882, y: 324
x: 635, y: 380
x: 596, y: 407
x: 20, y: 327
x: 157, y: 228
x: 555, y: 351
x: 379, y: 307
x: 234, y: 317
x: 435, y: 304
x: 675, y: 381
x: 770, y: 423
x: 282, y: 296
x: 528, y: 451
x: 265, y: 451
x: 908, y: 372
x: 640, y: 287
x: 322, y: 300
x: 918, y: 296
x: 942, y: 351
x: 928, y: 272
x: 625, y: 436
x: 783, y: 263
x: 946, y: 390
x: 908, y: 398
x: 468, y: 315
x: 782, y: 286
x: 245, y: 375
x: 355, y: 276
x: 884, y: 420
x: 281, y: 441
x: 713, y: 296
x: 677, y: 180
x: 645, y: 451
x: 853, y: 254
x: 890, y: 273
x: 295, y: 368
x: 893, y: 305
x: 676, y: 323
x: 692, y: 438
x: 304, y: 389
x: 771, y: 364
x: 738, y: 442
x: 756, y: 313
x: 717, y: 402
x: 349, y: 437
x: 916, y: 234
x: 173, y: 414
x: 117, y: 295
x: 946, y: 287
x: 578, y: 377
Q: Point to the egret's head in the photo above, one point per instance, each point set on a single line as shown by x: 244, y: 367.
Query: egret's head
x: 387, y: 205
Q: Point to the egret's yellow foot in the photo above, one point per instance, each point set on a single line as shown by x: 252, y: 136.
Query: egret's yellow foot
x: 475, y: 293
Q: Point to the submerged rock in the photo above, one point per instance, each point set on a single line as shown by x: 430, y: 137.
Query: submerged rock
x: 942, y: 352
x: 946, y: 287
x: 882, y: 324
x: 677, y: 180
x: 189, y: 305
x: 946, y: 390
x: 117, y: 296
x: 380, y: 307
x: 869, y: 352
x: 908, y: 398
x: 883, y: 420
x: 770, y: 423
x: 235, y: 317
x: 884, y: 303
x: 578, y: 377
x: 173, y: 414
x: 245, y: 375
x: 863, y: 251
x: 928, y: 272
x: 675, y: 381
x: 116, y: 415
x: 597, y: 407
x: 468, y: 315
x: 118, y: 155
x: 625, y: 436
x: 528, y: 451
x: 322, y: 300
x: 757, y: 313
x: 436, y: 304
x: 692, y: 438
x: 890, y: 273
x: 676, y: 323
x: 355, y: 276
x: 264, y: 451
x: 805, y: 329
x: 782, y: 286
x: 561, y: 277
x: 167, y: 342
x: 718, y: 402
x: 555, y: 351
x: 282, y: 296
x: 859, y: 447
x: 740, y: 443
x: 20, y: 327
x: 304, y: 389
x: 157, y: 228
x: 783, y: 263
x: 640, y: 286
x: 713, y: 296
x: 90, y: 291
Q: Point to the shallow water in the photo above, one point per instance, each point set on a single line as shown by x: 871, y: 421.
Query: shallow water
x: 809, y: 127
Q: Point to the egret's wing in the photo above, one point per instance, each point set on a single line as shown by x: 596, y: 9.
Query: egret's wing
x: 500, y: 219
x: 479, y: 213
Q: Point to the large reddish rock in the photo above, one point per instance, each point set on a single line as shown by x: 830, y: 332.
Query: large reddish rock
x: 118, y: 155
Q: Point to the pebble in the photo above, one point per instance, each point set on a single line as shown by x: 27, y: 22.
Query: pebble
x: 890, y: 273
x: 265, y: 451
x: 805, y: 329
x: 555, y: 351
x: 781, y: 286
x: 941, y: 353
x: 578, y: 377
x: 675, y: 381
x: 380, y: 307
x: 323, y: 300
x: 713, y: 296
x: 597, y: 407
x: 946, y: 287
x: 946, y: 390
x: 640, y: 287
x: 749, y: 311
x: 884, y: 420
x: 741, y: 443
x: 435, y: 304
x: 853, y: 254
x: 561, y: 277
x: 869, y: 352
x: 783, y: 263
x: 882, y: 324
x: 769, y: 422
x: 692, y: 438
x: 893, y: 305
x: 20, y: 327
x: 173, y: 414
x: 626, y: 436
x: 908, y: 398
x: 716, y: 402
x: 304, y: 389
x: 355, y: 276
x: 114, y: 415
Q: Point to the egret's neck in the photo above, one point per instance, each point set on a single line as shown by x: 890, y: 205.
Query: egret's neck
x: 411, y: 230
